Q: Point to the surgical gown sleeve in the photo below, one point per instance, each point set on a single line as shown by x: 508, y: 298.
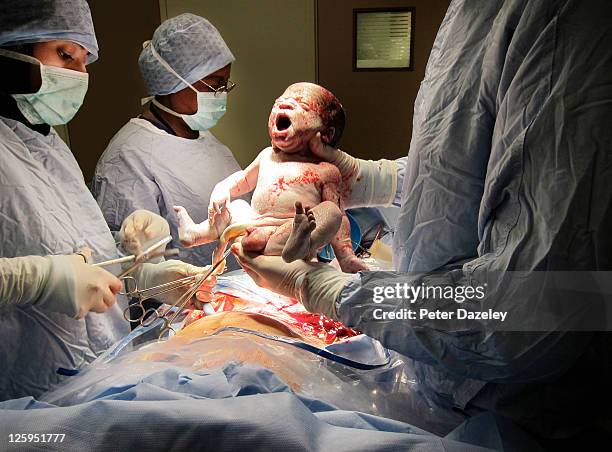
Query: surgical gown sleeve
x: 44, y: 281
x: 144, y: 167
x: 23, y: 279
x: 401, y: 173
x: 510, y: 169
x: 123, y: 184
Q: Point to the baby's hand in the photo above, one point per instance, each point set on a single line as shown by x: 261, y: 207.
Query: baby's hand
x: 219, y: 200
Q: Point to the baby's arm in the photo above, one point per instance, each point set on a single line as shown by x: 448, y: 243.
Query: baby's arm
x: 219, y: 217
x: 236, y: 184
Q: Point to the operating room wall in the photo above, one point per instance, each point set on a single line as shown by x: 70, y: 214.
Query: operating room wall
x: 115, y: 84
x: 276, y: 42
x: 379, y: 104
x: 274, y: 45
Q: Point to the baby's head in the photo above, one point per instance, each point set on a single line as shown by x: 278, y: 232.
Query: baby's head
x: 303, y: 110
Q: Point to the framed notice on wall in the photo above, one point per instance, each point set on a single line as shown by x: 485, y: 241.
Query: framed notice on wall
x: 383, y: 39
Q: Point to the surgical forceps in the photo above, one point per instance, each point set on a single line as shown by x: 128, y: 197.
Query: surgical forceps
x: 169, y: 315
x: 148, y: 254
x: 181, y: 302
x: 132, y: 291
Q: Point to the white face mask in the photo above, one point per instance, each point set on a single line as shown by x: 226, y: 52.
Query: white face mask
x: 60, y: 96
x: 211, y: 105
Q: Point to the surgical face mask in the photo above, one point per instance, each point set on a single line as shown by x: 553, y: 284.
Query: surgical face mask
x: 60, y: 96
x: 211, y: 105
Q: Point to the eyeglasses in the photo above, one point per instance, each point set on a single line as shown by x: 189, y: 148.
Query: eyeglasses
x: 221, y: 89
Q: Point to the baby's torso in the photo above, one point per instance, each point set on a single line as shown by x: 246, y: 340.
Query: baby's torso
x: 281, y: 184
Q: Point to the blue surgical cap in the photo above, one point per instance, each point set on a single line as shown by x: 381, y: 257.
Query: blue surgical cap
x: 191, y: 45
x: 29, y: 21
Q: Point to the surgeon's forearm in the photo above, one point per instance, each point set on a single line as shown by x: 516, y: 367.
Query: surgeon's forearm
x: 319, y: 288
x: 474, y: 350
x: 401, y: 165
x: 374, y: 184
x: 23, y: 279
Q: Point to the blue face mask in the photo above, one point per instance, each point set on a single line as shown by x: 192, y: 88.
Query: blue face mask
x: 211, y: 107
x: 60, y: 96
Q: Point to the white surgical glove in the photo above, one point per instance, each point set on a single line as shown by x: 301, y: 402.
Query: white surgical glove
x: 315, y: 284
x: 141, y: 229
x: 151, y: 275
x: 365, y: 183
x: 64, y: 284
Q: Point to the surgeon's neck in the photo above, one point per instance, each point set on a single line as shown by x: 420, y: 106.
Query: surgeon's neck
x: 176, y: 124
x: 9, y: 109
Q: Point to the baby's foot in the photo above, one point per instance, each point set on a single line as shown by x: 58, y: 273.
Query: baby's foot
x: 298, y: 243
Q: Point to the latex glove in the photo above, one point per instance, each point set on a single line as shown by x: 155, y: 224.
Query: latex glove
x: 150, y: 275
x: 365, y: 183
x: 64, y: 284
x: 315, y: 284
x: 141, y: 229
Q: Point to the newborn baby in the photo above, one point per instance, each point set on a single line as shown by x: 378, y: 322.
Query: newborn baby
x: 288, y: 182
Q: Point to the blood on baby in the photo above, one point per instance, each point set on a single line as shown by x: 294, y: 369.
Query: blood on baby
x: 308, y: 177
x: 280, y: 185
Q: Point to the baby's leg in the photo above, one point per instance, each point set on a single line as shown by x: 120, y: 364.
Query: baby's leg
x: 311, y: 229
x: 241, y: 212
x: 192, y: 234
x: 343, y: 249
x: 257, y: 238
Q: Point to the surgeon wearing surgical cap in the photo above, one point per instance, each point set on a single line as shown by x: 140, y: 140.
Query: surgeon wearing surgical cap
x: 509, y: 169
x: 168, y: 156
x: 52, y: 228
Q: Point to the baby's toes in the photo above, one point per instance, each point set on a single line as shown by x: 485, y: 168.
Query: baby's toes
x: 312, y: 223
x: 298, y: 208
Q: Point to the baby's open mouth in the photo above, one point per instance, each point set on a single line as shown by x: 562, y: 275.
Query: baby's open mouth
x: 282, y: 122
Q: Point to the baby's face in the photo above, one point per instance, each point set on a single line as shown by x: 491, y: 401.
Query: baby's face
x: 295, y: 118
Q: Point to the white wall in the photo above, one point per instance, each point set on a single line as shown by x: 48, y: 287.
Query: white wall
x: 274, y: 45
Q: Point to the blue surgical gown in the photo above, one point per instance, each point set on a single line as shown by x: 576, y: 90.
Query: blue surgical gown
x: 46, y: 208
x: 144, y: 167
x: 510, y: 168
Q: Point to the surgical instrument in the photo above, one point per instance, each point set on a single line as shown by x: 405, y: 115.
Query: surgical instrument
x: 148, y: 254
x: 132, y: 291
x: 182, y: 301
